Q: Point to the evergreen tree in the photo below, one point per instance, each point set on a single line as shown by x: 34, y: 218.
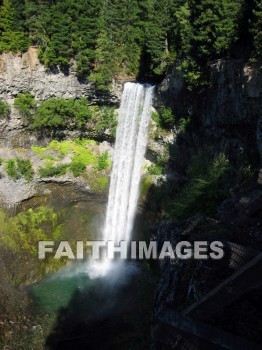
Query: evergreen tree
x: 119, y: 43
x: 256, y: 28
x: 12, y: 38
x: 159, y: 40
x: 214, y: 27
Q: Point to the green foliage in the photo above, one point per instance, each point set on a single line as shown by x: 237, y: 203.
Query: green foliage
x: 158, y: 34
x: 191, y: 72
x: 159, y: 166
x: 103, y: 161
x: 206, y: 188
x: 25, y: 104
x: 115, y: 38
x: 51, y: 170
x: 256, y: 28
x: 214, y: 26
x: 65, y: 29
x: 23, y: 231
x: 12, y: 36
x: 77, y: 168
x: 18, y: 168
x: 82, y: 153
x: 58, y: 112
x: 4, y: 109
x: 183, y: 124
x: 99, y: 183
x: 106, y: 120
x: 165, y: 119
x: 155, y: 169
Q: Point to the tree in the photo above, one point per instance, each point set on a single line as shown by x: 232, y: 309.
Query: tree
x: 256, y: 28
x: 12, y: 37
x: 119, y: 42
x: 214, y: 27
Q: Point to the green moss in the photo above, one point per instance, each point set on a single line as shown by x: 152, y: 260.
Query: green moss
x: 99, y: 183
x: 146, y: 183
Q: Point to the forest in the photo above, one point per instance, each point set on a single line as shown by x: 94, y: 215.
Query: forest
x: 134, y: 38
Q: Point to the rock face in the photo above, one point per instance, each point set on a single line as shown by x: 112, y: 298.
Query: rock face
x: 234, y: 94
x: 226, y: 116
x: 220, y: 113
x: 20, y: 73
x: 25, y: 73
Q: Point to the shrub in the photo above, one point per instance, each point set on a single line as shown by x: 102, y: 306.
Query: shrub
x: 107, y: 120
x: 99, y: 183
x: 21, y: 234
x: 58, y: 112
x: 206, y: 188
x: 155, y: 169
x: 183, y: 124
x: 25, y: 104
x: 18, y: 168
x: 4, y: 109
x: 77, y: 168
x: 165, y: 119
x: 23, y: 231
x: 103, y: 161
x: 24, y: 167
x: 50, y: 170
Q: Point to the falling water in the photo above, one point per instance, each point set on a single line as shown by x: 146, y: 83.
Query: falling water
x: 130, y: 147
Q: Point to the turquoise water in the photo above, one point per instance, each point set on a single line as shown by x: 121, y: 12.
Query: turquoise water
x: 57, y: 290
x: 54, y: 293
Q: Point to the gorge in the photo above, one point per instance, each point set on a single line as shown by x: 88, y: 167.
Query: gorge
x: 81, y: 160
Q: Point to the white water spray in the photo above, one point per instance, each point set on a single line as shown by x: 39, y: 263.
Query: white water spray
x: 130, y: 147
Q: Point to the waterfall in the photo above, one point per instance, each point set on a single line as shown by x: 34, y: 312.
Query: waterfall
x: 130, y: 147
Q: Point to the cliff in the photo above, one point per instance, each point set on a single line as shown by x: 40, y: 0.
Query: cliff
x: 225, y: 117
x: 24, y: 73
x: 226, y: 113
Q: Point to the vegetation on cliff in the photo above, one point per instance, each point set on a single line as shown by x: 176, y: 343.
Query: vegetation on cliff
x: 137, y: 38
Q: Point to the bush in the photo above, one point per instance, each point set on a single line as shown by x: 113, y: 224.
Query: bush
x: 183, y: 124
x: 21, y: 234
x: 107, y: 120
x: 103, y: 161
x: 4, y: 109
x: 77, y: 168
x: 51, y: 171
x: 18, y: 168
x: 25, y: 104
x: 207, y: 186
x: 155, y: 169
x: 58, y: 112
x: 165, y: 119
x: 23, y: 231
x: 24, y: 167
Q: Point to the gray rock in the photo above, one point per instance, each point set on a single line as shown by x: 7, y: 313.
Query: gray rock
x: 24, y: 72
